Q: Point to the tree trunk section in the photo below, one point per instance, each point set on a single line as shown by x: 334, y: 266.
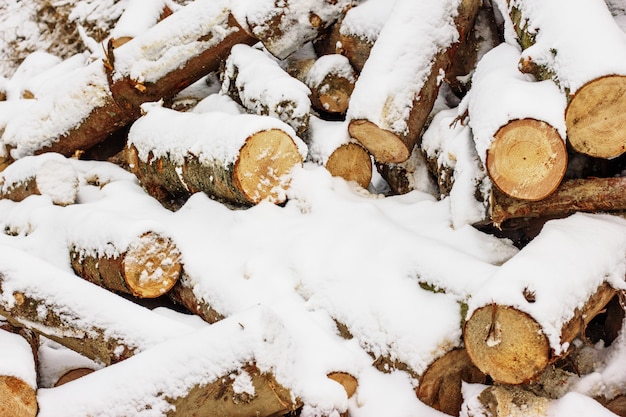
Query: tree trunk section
x: 440, y: 385
x: 261, y: 155
x: 18, y: 389
x: 351, y: 162
x: 511, y: 347
x: 50, y: 175
x: 586, y: 195
x: 149, y: 267
x: 594, y: 81
x: 378, y: 125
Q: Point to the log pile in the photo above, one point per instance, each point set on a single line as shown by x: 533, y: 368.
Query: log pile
x: 477, y: 103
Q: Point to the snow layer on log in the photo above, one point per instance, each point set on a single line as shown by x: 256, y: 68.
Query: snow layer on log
x: 564, y: 41
x: 577, y: 254
x: 77, y: 94
x: 167, y: 133
x: 17, y: 358
x: 138, y: 17
x: 168, y: 45
x: 500, y: 93
x: 325, y: 137
x: 366, y: 20
x: 389, y: 84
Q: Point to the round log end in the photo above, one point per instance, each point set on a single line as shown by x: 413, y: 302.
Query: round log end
x: 151, y: 266
x: 527, y: 159
x: 264, y: 164
x: 72, y: 375
x: 595, y: 118
x: 351, y: 162
x: 17, y: 398
x: 506, y: 344
x: 384, y: 145
x: 347, y: 381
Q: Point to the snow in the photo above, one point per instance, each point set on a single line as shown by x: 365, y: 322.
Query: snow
x: 397, y: 272
x: 17, y: 358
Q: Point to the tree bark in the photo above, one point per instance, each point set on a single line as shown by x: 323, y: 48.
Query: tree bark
x: 65, y: 309
x: 149, y: 267
x: 511, y: 347
x: 50, y: 175
x: 240, y: 159
x: 388, y: 124
x: 595, y: 83
x: 284, y: 27
x: 440, y: 385
x: 586, y: 195
x: 18, y: 381
x: 257, y: 82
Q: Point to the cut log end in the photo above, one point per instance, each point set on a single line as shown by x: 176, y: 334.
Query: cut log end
x: 527, y: 159
x: 347, y: 381
x: 595, y: 118
x: 506, y: 344
x: 151, y: 266
x: 17, y: 398
x: 73, y: 375
x: 352, y: 163
x: 384, y: 145
x: 264, y: 164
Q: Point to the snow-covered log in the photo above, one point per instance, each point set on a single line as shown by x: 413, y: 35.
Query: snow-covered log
x: 148, y: 268
x: 18, y: 372
x: 588, y: 65
x: 173, y: 54
x: 241, y: 159
x: 440, y: 386
x: 518, y: 126
x: 138, y: 17
x: 575, y: 195
x: 526, y: 317
x: 411, y: 53
x: 68, y: 310
x: 221, y: 370
x: 330, y: 145
x: 254, y: 79
x: 50, y: 174
x: 409, y: 175
x: 330, y: 78
x: 284, y: 27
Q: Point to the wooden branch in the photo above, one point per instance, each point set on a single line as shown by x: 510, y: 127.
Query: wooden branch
x: 254, y: 79
x: 50, y: 174
x: 65, y: 309
x: 148, y: 268
x: 595, y: 82
x: 284, y: 27
x: 241, y: 159
x: 440, y: 385
x: 388, y: 124
x: 18, y: 372
x: 586, y: 195
x: 226, y: 382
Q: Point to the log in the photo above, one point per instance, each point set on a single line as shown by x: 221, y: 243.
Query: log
x: 501, y: 401
x: 255, y: 80
x: 518, y: 126
x: 72, y: 375
x: 214, y: 372
x: 51, y: 175
x: 241, y: 159
x: 409, y: 175
x: 148, y: 268
x: 519, y: 324
x: 331, y: 146
x: 284, y: 27
x: 593, y: 195
x: 595, y: 82
x: 18, y: 372
x: 67, y: 310
x: 388, y: 119
x: 440, y: 385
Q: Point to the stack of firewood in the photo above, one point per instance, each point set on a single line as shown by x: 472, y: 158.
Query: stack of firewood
x: 226, y: 100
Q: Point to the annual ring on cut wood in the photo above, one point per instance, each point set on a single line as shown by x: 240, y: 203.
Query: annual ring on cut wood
x: 527, y: 159
x: 595, y: 117
x: 264, y: 162
x: 351, y: 162
x: 17, y: 398
x: 382, y: 144
x: 506, y: 344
